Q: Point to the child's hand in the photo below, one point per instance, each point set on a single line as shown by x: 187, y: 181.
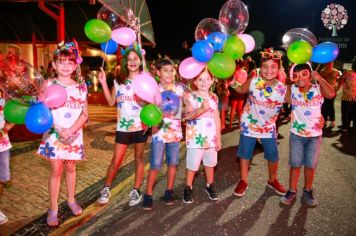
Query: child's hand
x: 205, y: 105
x: 218, y: 144
x: 316, y: 76
x: 102, y: 76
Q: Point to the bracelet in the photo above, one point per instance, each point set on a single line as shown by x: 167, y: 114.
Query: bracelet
x: 235, y: 84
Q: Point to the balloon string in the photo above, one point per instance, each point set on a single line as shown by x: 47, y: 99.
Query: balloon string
x: 317, y: 68
x: 106, y: 48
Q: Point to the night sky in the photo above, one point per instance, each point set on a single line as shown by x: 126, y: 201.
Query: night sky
x: 175, y: 21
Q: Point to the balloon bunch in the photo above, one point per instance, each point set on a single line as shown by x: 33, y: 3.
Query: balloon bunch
x: 29, y: 102
x: 109, y: 30
x: 302, y: 46
x: 219, y: 42
x: 146, y: 88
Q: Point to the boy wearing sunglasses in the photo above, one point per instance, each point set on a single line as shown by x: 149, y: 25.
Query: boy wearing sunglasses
x: 306, y: 99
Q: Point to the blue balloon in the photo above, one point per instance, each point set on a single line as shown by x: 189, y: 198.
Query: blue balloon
x: 202, y: 51
x: 111, y: 47
x: 170, y: 102
x: 325, y: 52
x: 38, y: 118
x: 217, y: 39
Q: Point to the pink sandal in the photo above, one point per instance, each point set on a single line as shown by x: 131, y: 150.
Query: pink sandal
x: 75, y: 208
x: 52, y: 218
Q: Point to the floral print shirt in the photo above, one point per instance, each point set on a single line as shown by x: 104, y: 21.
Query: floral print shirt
x: 349, y: 86
x: 4, y: 138
x: 306, y: 118
x: 64, y: 117
x: 128, y: 110
x: 170, y: 129
x: 261, y: 110
x: 201, y: 132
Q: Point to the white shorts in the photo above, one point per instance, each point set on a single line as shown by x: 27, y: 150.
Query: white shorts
x: 196, y: 155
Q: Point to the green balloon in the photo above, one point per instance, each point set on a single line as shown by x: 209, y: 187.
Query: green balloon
x: 97, y: 31
x: 299, y: 52
x: 15, y: 112
x: 151, y: 115
x: 222, y: 65
x: 235, y: 47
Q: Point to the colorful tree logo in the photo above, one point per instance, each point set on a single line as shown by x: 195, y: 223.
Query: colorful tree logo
x: 334, y: 17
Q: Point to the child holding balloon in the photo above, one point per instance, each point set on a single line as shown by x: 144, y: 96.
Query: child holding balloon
x: 258, y: 121
x: 166, y: 137
x: 5, y: 146
x: 129, y: 129
x: 63, y: 145
x: 306, y: 130
x: 203, y: 134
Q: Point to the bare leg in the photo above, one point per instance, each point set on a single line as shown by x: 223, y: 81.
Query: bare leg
x: 151, y: 181
x: 244, y: 169
x: 171, y: 177
x: 293, y: 178
x: 119, y: 153
x: 69, y: 169
x: 189, y: 178
x: 272, y: 168
x: 140, y: 164
x: 309, y: 178
x: 54, y: 183
x: 209, y: 174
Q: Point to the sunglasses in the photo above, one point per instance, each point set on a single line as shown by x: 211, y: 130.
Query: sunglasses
x: 271, y: 55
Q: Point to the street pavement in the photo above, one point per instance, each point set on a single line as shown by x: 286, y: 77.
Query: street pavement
x: 25, y: 197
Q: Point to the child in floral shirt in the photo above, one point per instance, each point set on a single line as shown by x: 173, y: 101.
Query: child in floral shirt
x: 5, y: 146
x: 307, y: 123
x: 258, y: 121
x: 203, y: 134
x: 167, y: 136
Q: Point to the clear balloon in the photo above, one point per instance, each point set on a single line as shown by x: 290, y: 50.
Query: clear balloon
x: 207, y: 26
x: 18, y: 78
x: 234, y: 16
x: 295, y: 34
x: 170, y: 103
x: 108, y: 16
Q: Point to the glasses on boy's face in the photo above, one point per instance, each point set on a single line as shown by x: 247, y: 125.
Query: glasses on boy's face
x: 271, y: 55
x: 304, y: 74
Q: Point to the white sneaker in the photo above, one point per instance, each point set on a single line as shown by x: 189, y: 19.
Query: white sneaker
x: 135, y: 197
x: 3, y: 218
x: 105, y: 196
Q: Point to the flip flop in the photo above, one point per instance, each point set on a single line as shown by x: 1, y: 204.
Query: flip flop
x: 52, y: 218
x: 75, y: 208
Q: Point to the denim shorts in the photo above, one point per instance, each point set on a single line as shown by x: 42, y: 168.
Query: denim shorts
x: 247, y: 147
x: 157, y: 154
x: 5, y: 166
x: 127, y: 138
x: 304, y: 151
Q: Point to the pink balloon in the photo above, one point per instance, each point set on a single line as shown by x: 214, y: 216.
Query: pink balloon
x: 54, y: 96
x: 190, y: 68
x: 249, y: 42
x: 124, y: 36
x: 145, y: 87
